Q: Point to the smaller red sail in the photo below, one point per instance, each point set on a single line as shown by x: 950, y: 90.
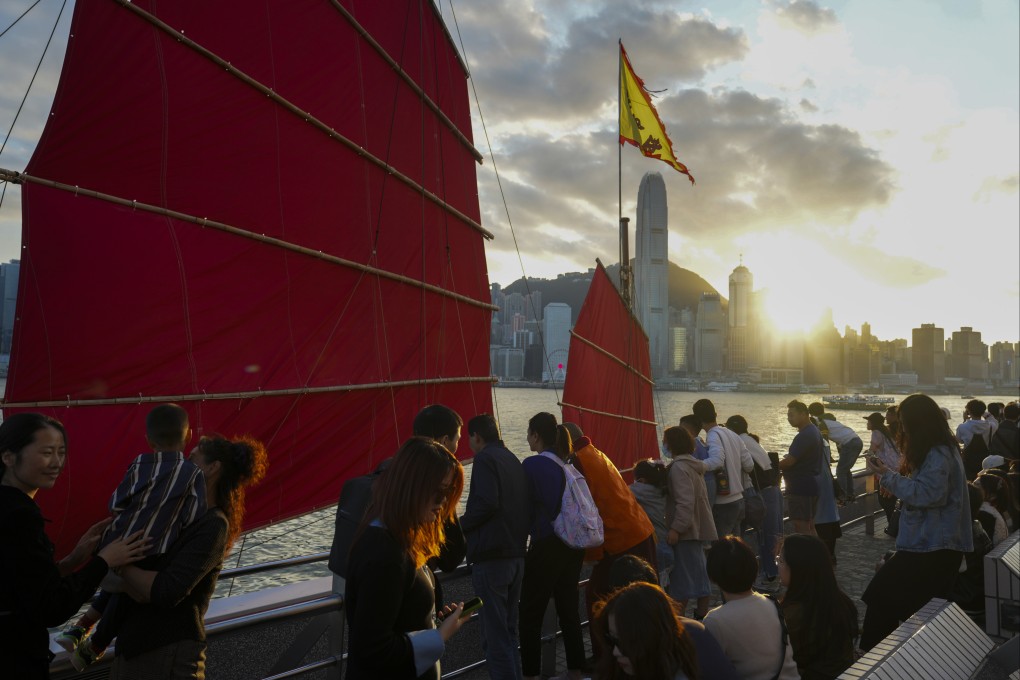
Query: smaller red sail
x: 608, y: 388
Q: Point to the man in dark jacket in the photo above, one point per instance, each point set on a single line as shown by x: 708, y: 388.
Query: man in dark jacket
x: 495, y: 523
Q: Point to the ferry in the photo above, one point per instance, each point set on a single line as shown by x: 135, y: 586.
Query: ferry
x: 858, y: 402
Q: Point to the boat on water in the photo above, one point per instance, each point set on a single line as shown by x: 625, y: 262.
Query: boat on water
x: 273, y: 222
x: 722, y: 386
x: 858, y: 402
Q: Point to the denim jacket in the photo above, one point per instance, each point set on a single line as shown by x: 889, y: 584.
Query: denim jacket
x: 935, y: 512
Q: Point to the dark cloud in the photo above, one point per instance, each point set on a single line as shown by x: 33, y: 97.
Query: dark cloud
x: 527, y: 76
x: 805, y: 16
x: 807, y: 106
x: 758, y: 167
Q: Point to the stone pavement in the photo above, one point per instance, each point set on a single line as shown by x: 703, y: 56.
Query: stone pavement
x: 857, y: 552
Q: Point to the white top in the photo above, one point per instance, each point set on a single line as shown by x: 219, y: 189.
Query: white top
x: 1001, y: 531
x: 749, y: 633
x: 968, y: 428
x: 725, y: 447
x: 839, y: 433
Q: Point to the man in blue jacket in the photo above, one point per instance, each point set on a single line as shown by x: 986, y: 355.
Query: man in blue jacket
x: 495, y: 523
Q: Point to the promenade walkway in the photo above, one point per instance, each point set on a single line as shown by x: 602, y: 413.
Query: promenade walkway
x: 856, y: 554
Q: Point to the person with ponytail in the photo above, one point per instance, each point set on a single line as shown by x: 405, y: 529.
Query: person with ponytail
x: 390, y: 592
x: 36, y: 591
x: 551, y: 568
x: 161, y: 624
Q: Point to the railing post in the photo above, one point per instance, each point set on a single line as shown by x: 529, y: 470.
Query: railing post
x: 335, y: 633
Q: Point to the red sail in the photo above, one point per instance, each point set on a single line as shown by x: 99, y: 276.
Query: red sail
x: 249, y: 210
x: 608, y: 391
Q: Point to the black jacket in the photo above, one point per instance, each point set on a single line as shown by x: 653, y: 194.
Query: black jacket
x: 33, y: 594
x: 495, y: 521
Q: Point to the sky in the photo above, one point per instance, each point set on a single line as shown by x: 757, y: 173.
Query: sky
x: 861, y: 156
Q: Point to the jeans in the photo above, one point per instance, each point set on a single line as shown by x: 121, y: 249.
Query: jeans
x: 771, y: 531
x: 848, y: 454
x: 727, y: 517
x: 498, y: 583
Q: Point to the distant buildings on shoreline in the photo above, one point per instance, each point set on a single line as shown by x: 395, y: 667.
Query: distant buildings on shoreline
x: 736, y: 346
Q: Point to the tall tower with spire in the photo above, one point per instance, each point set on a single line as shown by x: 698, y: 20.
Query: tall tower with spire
x: 651, y: 269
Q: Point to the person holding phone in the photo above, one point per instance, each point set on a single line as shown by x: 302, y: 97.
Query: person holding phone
x: 390, y: 595
x: 935, y: 522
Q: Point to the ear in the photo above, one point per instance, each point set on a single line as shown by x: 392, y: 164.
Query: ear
x: 9, y: 458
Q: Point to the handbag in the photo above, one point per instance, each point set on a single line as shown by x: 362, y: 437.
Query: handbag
x: 754, y: 507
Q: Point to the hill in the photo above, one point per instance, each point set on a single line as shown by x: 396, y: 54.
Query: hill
x: 685, y: 287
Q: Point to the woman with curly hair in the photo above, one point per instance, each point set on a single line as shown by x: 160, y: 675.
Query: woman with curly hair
x: 935, y: 521
x: 821, y: 618
x: 644, y: 638
x: 161, y: 625
x: 390, y: 594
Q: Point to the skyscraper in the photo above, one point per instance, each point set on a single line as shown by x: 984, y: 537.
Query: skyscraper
x: 928, y: 352
x: 709, y: 335
x: 556, y: 336
x: 651, y: 270
x: 740, y: 340
x: 8, y: 297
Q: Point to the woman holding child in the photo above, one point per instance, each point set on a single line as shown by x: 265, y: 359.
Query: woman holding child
x: 160, y: 627
x: 35, y: 591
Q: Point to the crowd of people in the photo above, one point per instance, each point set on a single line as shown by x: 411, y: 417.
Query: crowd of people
x: 671, y: 543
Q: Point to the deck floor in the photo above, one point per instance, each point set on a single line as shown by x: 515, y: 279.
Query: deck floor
x: 857, y: 553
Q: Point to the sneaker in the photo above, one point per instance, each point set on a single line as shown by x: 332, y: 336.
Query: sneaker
x: 85, y: 655
x: 71, y: 637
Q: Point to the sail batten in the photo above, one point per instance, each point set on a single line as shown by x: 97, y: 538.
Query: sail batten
x: 619, y: 416
x: 609, y: 355
x: 295, y: 281
x: 253, y: 394
x: 213, y: 224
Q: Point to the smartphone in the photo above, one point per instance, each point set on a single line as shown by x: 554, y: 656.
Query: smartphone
x: 874, y: 460
x: 470, y: 606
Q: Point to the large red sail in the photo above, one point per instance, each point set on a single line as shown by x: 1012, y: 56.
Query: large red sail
x: 265, y: 212
x: 608, y: 391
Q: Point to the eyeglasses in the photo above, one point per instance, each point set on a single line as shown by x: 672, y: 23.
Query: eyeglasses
x: 779, y: 561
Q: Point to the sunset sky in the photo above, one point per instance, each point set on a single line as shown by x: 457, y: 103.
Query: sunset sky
x: 861, y: 155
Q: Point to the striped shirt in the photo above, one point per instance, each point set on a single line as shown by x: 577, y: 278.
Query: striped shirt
x: 161, y: 494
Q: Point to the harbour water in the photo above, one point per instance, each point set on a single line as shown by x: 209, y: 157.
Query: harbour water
x: 765, y: 414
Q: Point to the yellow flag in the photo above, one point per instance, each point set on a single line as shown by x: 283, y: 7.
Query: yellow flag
x: 639, y: 121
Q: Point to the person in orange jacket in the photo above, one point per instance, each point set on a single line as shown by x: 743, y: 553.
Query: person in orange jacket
x: 627, y: 529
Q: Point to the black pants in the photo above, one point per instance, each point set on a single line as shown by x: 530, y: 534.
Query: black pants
x: 904, y: 584
x: 888, y: 504
x: 551, y: 569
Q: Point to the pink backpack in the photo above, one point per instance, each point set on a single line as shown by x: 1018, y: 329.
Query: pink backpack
x: 578, y: 523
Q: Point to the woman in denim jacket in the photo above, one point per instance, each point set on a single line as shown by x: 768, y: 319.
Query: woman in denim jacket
x: 934, y: 520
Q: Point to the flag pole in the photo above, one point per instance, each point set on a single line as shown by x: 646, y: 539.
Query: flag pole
x: 625, y: 285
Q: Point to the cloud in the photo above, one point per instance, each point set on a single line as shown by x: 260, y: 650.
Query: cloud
x: 805, y: 16
x: 758, y: 168
x: 529, y: 74
x: 997, y: 185
x: 883, y: 269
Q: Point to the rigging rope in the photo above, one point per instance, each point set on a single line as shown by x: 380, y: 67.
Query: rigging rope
x: 502, y: 194
x: 49, y: 40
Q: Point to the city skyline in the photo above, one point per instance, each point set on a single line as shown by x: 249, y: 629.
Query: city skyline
x: 878, y: 177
